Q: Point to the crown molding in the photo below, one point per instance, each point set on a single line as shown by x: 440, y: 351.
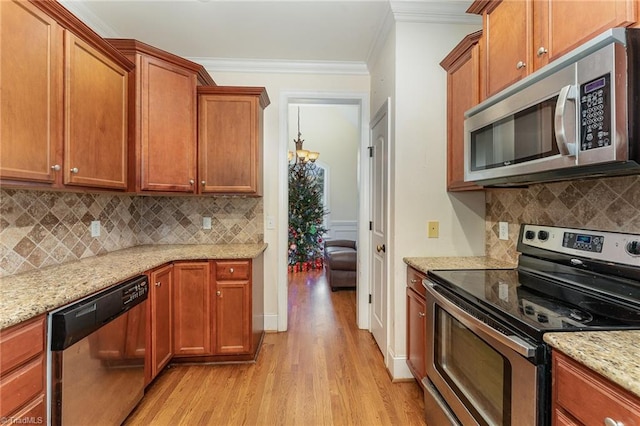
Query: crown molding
x: 434, y: 12
x: 89, y: 18
x: 272, y: 66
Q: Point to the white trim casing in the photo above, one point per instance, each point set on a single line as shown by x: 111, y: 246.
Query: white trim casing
x: 343, y: 230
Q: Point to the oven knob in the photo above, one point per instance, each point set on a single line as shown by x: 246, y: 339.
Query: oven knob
x: 633, y: 248
x: 528, y: 309
x: 543, y: 318
x: 529, y: 235
x: 543, y: 235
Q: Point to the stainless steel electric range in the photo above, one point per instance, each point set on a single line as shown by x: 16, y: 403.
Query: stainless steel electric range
x: 487, y: 363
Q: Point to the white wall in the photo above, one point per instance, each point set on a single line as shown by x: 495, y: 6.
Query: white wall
x: 418, y: 175
x: 278, y: 86
x: 334, y: 131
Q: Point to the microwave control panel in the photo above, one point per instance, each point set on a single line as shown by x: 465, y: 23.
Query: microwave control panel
x: 595, y: 113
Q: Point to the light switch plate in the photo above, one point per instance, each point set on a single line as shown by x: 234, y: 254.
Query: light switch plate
x: 206, y: 223
x: 433, y: 229
x: 503, y: 230
x: 271, y: 223
x: 95, y: 228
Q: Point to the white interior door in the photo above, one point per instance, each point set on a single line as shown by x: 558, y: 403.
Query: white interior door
x: 379, y: 140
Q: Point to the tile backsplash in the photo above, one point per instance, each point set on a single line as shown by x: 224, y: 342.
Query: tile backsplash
x: 606, y: 204
x: 40, y: 228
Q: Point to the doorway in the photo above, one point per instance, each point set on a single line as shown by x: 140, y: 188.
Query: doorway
x: 359, y: 102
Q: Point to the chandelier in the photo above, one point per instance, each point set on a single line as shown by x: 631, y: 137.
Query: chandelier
x: 301, y: 155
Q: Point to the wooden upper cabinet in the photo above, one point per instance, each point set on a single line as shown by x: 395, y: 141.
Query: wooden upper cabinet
x: 230, y: 139
x: 64, y: 102
x: 521, y: 36
x: 561, y: 25
x: 463, y: 92
x: 162, y: 152
x: 95, y: 137
x: 31, y: 81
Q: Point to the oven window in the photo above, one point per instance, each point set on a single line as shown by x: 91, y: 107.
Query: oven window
x: 523, y: 136
x: 478, y: 374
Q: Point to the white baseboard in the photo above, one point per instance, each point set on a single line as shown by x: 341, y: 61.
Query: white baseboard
x: 397, y: 366
x: 271, y: 322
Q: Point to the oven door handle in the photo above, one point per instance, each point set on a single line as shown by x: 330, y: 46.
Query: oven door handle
x: 512, y: 342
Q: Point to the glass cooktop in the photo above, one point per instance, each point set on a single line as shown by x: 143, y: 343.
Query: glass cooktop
x: 537, y: 304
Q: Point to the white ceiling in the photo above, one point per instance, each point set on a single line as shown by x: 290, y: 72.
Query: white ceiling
x: 313, y: 31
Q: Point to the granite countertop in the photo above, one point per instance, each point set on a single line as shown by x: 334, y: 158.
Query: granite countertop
x: 613, y: 354
x: 27, y: 295
x: 424, y: 264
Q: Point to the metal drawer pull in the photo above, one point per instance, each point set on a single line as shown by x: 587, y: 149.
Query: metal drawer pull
x: 74, y: 170
x: 218, y: 293
x: 608, y: 421
x: 421, y: 314
x: 542, y: 51
x: 191, y: 181
x: 158, y: 284
x: 231, y: 270
x: 520, y: 65
x: 56, y: 167
x: 413, y: 281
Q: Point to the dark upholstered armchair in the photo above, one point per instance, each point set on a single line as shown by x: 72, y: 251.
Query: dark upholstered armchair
x: 340, y: 259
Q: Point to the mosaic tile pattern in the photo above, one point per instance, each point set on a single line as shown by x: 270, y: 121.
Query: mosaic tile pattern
x: 39, y: 228
x: 608, y: 204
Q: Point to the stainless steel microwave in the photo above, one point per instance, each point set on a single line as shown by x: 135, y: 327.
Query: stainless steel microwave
x: 578, y: 116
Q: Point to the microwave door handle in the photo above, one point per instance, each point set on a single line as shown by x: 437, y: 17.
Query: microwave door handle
x: 565, y: 147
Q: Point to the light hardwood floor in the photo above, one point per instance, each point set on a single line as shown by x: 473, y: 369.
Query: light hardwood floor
x: 322, y: 371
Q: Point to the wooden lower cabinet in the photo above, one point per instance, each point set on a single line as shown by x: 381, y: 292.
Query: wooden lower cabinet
x: 416, y: 325
x: 23, y: 373
x: 583, y: 397
x: 192, y: 319
x: 232, y: 300
x: 160, y: 321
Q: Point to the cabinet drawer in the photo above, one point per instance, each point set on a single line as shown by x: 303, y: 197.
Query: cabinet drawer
x: 232, y: 270
x: 21, y: 343
x: 21, y: 386
x: 414, y: 281
x: 33, y: 413
x: 590, y: 398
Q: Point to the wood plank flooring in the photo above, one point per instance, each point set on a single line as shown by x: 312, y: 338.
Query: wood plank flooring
x: 322, y: 371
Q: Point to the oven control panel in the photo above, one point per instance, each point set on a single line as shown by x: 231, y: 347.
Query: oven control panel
x: 586, y: 242
x: 616, y: 247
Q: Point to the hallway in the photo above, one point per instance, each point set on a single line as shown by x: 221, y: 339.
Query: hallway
x: 323, y: 371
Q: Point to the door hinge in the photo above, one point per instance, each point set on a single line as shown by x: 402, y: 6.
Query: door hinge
x: 370, y: 148
x: 369, y: 299
x: 370, y: 225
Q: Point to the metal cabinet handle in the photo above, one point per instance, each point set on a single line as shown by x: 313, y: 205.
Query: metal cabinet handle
x: 231, y: 270
x: 158, y: 284
x: 413, y: 281
x: 608, y: 421
x: 56, y: 167
x: 74, y: 170
x: 218, y: 293
x: 191, y: 181
x: 203, y: 183
x: 520, y: 65
x: 542, y: 51
x: 421, y: 314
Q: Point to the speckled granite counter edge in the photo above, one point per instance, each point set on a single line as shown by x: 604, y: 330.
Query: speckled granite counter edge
x: 613, y: 354
x: 28, y: 295
x: 424, y: 264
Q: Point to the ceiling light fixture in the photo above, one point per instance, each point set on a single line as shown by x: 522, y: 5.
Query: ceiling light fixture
x: 301, y: 155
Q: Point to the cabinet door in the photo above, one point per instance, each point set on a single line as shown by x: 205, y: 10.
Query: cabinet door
x: 161, y: 299
x: 507, y: 35
x: 233, y: 308
x: 463, y: 92
x: 31, y: 101
x: 95, y: 133
x: 192, y: 314
x: 560, y: 26
x: 229, y: 128
x: 167, y: 126
x: 416, y: 334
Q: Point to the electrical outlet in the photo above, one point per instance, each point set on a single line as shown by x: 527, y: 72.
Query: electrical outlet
x: 271, y: 223
x: 503, y: 230
x: 206, y: 223
x: 433, y: 227
x: 95, y: 228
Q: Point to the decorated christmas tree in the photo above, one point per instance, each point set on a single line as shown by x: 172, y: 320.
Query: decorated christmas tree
x: 306, y: 213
